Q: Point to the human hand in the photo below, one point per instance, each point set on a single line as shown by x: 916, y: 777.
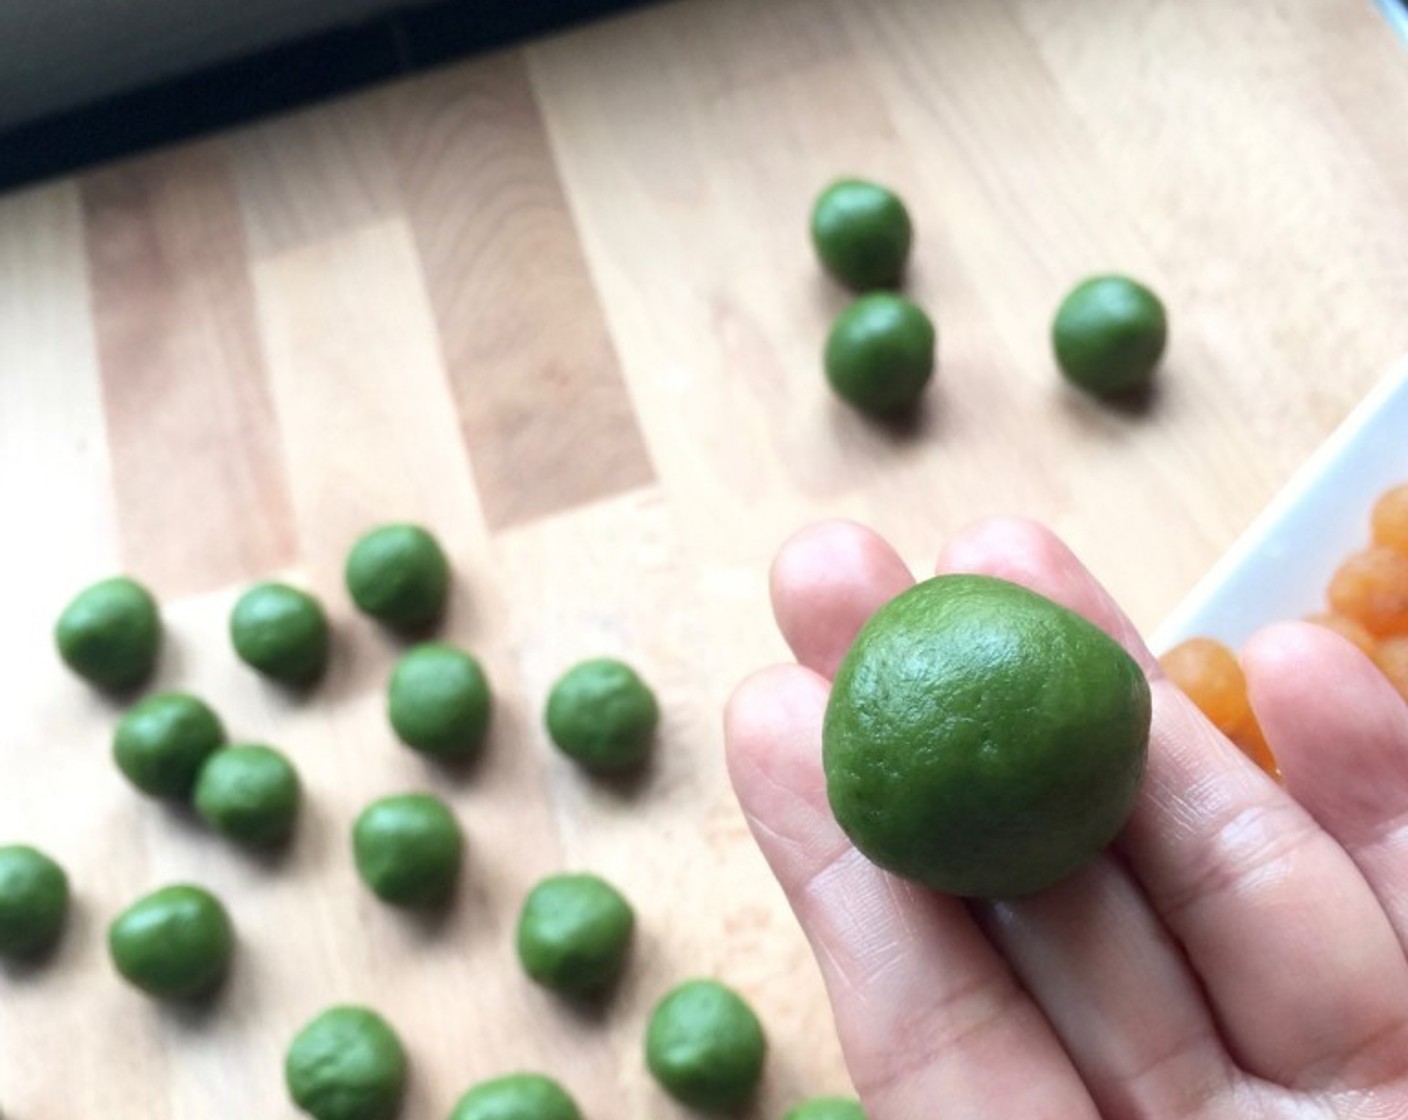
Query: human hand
x: 1241, y: 951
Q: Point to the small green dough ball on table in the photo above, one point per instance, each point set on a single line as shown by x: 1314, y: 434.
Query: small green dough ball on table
x: 33, y: 901
x: 862, y: 233
x: 602, y: 715
x: 398, y: 574
x: 439, y: 701
x: 110, y: 633
x: 574, y: 932
x: 249, y: 793
x: 517, y: 1096
x: 705, y: 1046
x: 347, y: 1064
x: 281, y: 632
x: 1109, y: 334
x: 175, y: 943
x: 408, y: 849
x: 879, y: 354
x: 827, y: 1108
x: 162, y: 742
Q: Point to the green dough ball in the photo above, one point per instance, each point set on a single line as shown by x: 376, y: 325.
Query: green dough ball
x: 347, y: 1064
x: 175, y: 943
x: 862, y: 233
x: 281, y: 632
x: 408, y: 849
x: 880, y: 354
x: 518, y: 1096
x: 399, y: 575
x: 439, y: 701
x: 110, y: 633
x: 602, y: 715
x: 705, y: 1046
x: 33, y: 901
x: 573, y: 933
x: 827, y: 1108
x: 1109, y: 334
x: 249, y: 793
x: 162, y: 742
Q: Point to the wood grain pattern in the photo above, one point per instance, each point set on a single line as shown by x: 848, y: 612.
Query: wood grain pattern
x: 558, y: 305
x: 544, y: 411
x: 191, y: 433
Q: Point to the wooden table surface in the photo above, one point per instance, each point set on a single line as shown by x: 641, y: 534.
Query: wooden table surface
x: 558, y: 304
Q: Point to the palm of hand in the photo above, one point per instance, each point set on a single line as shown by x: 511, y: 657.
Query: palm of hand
x: 1241, y: 952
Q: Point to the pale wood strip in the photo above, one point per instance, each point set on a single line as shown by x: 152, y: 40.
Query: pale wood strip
x: 363, y: 399
x: 673, y: 839
x: 55, y: 488
x: 545, y: 414
x: 196, y: 455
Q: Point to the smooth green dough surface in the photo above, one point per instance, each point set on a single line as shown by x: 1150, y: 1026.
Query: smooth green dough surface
x: 249, y: 793
x: 281, y: 632
x: 574, y: 933
x: 408, y: 849
x: 827, y: 1108
x: 347, y: 1064
x: 162, y: 742
x: 517, y: 1096
x: 705, y: 1046
x: 398, y: 574
x: 879, y: 354
x: 861, y: 232
x: 176, y: 943
x: 33, y: 901
x: 110, y: 633
x: 602, y: 715
x: 439, y: 701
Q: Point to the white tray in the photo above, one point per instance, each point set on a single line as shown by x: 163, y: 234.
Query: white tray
x: 1279, y: 567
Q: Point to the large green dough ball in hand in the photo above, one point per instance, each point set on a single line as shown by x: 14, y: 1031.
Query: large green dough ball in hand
x: 33, y: 901
x: 398, y: 575
x: 705, y: 1046
x: 176, y: 943
x: 827, y: 1108
x: 281, y: 632
x: 517, y: 1096
x: 347, y: 1064
x: 162, y: 742
x: 574, y: 932
x: 880, y: 354
x: 439, y: 701
x: 249, y: 793
x: 408, y: 849
x: 602, y: 715
x: 1109, y: 335
x: 110, y: 633
x: 861, y: 232
x: 983, y: 740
